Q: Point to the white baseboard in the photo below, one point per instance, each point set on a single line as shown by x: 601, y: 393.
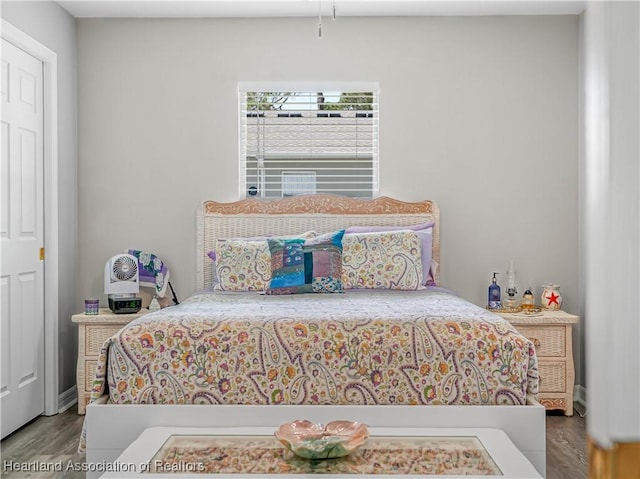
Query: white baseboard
x: 67, y: 399
x: 580, y: 395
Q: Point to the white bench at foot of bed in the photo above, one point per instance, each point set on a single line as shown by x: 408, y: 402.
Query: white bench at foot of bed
x: 467, y: 453
x: 112, y: 428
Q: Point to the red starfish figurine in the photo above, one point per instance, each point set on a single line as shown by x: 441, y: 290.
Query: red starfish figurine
x: 552, y: 299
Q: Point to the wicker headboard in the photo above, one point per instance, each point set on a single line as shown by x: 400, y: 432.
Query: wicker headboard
x: 293, y: 215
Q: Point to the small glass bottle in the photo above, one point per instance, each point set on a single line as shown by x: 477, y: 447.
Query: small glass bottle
x: 154, y: 305
x: 528, y: 304
x: 511, y: 301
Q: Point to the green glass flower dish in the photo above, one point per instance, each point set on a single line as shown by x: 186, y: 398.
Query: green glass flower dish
x: 316, y: 441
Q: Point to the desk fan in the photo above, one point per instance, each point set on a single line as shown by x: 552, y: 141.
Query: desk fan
x: 122, y: 283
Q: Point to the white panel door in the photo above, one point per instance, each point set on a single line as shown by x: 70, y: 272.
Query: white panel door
x: 22, y: 236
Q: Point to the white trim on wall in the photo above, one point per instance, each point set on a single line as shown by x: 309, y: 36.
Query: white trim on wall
x: 50, y: 76
x: 580, y: 395
x: 67, y: 399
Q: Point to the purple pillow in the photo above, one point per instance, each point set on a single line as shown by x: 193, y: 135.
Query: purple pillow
x: 424, y: 232
x: 377, y: 229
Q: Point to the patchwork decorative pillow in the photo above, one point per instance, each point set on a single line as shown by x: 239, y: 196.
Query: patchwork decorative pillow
x: 244, y: 264
x: 382, y: 260
x: 424, y: 232
x: 306, y: 266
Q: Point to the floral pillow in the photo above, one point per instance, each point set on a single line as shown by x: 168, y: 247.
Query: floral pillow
x: 382, y: 260
x: 306, y: 266
x: 244, y: 264
x: 424, y: 232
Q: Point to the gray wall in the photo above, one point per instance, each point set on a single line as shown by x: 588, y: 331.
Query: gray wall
x: 477, y: 113
x: 52, y: 26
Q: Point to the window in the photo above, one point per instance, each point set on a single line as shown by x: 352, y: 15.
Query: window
x: 307, y: 140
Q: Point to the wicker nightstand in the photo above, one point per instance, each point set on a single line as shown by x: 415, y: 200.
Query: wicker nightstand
x: 550, y: 332
x: 93, y: 331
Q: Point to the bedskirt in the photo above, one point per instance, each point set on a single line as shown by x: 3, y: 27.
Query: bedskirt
x: 356, y: 348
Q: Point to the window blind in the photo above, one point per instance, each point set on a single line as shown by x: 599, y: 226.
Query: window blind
x: 311, y: 141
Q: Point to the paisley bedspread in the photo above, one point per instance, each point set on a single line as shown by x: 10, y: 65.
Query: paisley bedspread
x: 373, y: 347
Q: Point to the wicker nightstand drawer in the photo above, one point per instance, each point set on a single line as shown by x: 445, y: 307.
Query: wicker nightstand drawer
x: 96, y: 335
x: 552, y: 377
x: 548, y: 340
x: 83, y: 399
x: 90, y: 367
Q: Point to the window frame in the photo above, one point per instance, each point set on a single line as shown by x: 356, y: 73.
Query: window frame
x: 306, y: 87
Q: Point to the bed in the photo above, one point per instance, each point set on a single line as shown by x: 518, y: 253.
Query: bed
x: 392, y: 352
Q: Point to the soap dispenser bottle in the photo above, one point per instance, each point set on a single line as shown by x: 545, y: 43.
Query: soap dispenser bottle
x: 494, y: 294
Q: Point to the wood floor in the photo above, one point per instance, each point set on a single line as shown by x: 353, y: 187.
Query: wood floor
x: 566, y: 446
x: 54, y: 440
x: 47, y: 440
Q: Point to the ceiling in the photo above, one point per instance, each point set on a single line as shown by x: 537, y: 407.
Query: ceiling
x: 308, y: 8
